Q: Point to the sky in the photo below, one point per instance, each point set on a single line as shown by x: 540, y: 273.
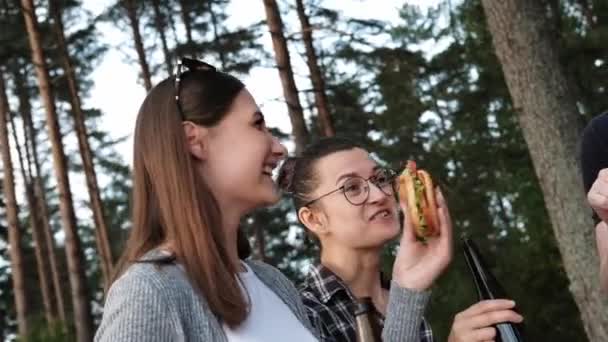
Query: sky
x: 118, y: 93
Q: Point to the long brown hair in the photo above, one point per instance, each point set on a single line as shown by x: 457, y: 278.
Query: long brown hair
x: 171, y: 202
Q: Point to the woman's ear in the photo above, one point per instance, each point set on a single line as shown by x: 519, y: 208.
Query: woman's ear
x: 314, y: 220
x: 196, y: 137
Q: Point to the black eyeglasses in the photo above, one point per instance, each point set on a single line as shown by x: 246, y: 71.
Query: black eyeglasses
x: 356, y: 189
x: 184, y: 65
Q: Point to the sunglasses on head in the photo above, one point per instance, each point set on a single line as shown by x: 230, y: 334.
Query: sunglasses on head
x: 184, y: 65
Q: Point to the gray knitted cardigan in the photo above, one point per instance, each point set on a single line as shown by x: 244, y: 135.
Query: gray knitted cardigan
x: 151, y: 302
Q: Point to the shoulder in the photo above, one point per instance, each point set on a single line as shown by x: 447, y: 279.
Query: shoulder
x: 269, y: 274
x: 137, y: 304
x: 142, y: 284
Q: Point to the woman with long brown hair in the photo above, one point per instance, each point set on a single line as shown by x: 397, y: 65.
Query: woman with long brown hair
x: 203, y: 158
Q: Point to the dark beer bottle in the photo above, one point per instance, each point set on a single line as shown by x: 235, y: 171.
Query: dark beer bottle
x: 489, y: 288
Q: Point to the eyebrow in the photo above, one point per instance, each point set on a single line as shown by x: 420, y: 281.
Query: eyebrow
x: 354, y: 174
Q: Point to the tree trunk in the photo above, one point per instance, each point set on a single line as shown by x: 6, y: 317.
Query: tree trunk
x: 551, y: 125
x: 39, y: 196
x: 260, y: 242
x: 40, y: 252
x: 325, y: 121
x: 160, y: 25
x: 183, y: 4
x: 101, y: 228
x: 14, y: 232
x: 216, y: 36
x: 131, y: 8
x: 296, y: 114
x: 80, y: 297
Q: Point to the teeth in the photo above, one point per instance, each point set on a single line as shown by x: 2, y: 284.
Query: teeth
x: 268, y: 168
x: 383, y: 213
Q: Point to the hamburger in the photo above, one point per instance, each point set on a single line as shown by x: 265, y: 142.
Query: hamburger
x: 417, y: 191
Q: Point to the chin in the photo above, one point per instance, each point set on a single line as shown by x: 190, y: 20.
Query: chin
x: 268, y: 198
x: 390, y: 231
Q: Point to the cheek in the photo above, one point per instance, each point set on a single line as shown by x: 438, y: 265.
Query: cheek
x: 348, y: 221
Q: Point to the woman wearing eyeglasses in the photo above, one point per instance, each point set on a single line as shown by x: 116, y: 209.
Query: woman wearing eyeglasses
x: 203, y: 158
x: 348, y: 203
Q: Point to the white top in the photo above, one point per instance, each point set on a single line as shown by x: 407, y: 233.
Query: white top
x: 269, y: 317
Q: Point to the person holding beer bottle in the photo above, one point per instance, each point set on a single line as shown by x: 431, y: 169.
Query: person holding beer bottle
x: 347, y: 202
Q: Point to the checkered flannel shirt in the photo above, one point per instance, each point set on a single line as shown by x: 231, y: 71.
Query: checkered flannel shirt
x: 330, y: 306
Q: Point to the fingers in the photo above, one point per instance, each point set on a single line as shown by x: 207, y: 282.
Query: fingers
x: 487, y: 306
x: 603, y: 175
x: 494, y: 317
x: 601, y: 239
x: 445, y: 222
x: 484, y: 334
x: 597, y: 199
x: 598, y: 194
x: 408, y: 228
x: 476, y: 323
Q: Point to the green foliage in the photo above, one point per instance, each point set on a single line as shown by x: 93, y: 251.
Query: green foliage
x: 43, y: 332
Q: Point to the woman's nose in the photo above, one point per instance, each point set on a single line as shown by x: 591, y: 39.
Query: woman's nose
x: 375, y: 193
x: 278, y: 149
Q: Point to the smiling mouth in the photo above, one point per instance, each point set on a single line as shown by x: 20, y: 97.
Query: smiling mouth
x: 381, y: 214
x: 268, y: 168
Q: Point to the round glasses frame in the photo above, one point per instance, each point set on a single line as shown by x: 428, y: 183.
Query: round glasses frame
x: 356, y: 189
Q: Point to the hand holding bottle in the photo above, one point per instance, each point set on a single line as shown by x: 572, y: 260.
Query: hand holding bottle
x: 476, y: 323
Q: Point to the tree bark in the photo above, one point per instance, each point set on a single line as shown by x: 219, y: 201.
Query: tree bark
x: 325, y: 120
x: 260, y: 242
x: 80, y: 295
x: 14, y: 232
x: 131, y: 8
x: 183, y: 4
x: 551, y: 126
x: 50, y: 312
x: 216, y: 36
x: 39, y: 196
x: 101, y: 228
x: 160, y: 25
x: 290, y: 91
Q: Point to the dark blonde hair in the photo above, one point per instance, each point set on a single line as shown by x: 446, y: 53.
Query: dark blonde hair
x: 171, y: 202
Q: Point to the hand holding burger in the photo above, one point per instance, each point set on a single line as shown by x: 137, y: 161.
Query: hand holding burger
x: 425, y: 249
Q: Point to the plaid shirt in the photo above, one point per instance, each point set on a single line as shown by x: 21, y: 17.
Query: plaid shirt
x: 330, y: 306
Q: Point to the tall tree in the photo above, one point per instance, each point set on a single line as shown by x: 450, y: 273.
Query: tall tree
x: 290, y: 91
x: 131, y: 8
x: 40, y: 251
x: 551, y: 125
x: 101, y: 229
x: 216, y: 35
x: 184, y: 6
x: 325, y: 120
x: 80, y: 296
x: 31, y: 148
x: 14, y: 231
x: 160, y: 24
